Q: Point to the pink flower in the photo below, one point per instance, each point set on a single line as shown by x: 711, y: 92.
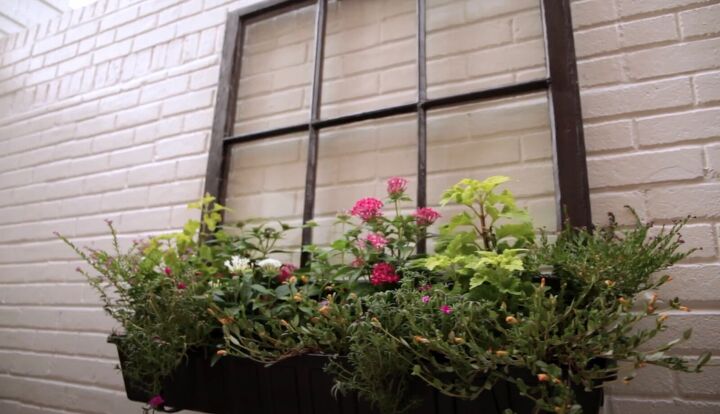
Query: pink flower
x: 425, y: 287
x: 367, y: 208
x: 168, y: 271
x: 396, y: 186
x: 426, y: 216
x: 446, y: 309
x: 286, y: 271
x: 383, y: 273
x: 376, y: 240
x: 426, y: 299
x: 358, y: 262
x: 156, y: 401
x: 181, y: 285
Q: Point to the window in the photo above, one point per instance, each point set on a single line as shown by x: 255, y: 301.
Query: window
x: 317, y: 85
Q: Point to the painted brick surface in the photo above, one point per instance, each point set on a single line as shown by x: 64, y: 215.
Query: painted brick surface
x: 106, y: 113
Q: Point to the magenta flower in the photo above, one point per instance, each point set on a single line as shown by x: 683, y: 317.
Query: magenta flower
x: 446, y: 309
x: 156, y: 401
x: 426, y: 216
x: 168, y: 271
x: 376, y: 240
x: 396, y: 186
x: 426, y: 299
x: 425, y: 287
x: 181, y: 285
x: 286, y: 271
x: 367, y: 208
x: 383, y: 273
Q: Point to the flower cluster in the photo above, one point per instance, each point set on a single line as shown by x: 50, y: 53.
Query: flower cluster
x: 367, y: 209
x: 376, y: 240
x: 426, y: 216
x: 384, y: 273
x: 396, y: 187
x: 237, y: 264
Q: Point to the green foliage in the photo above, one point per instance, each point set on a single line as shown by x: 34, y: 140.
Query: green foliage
x: 476, y: 312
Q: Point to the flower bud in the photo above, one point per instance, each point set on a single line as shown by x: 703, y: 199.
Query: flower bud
x: 458, y: 340
x: 324, y: 310
x: 610, y: 283
x: 421, y: 340
x: 511, y: 320
x: 297, y: 297
x: 221, y: 352
x: 502, y: 353
x: 543, y: 377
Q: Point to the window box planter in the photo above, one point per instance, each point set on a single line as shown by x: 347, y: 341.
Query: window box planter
x: 299, y: 385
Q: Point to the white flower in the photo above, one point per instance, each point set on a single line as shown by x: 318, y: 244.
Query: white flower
x: 270, y: 264
x: 160, y: 267
x: 237, y: 264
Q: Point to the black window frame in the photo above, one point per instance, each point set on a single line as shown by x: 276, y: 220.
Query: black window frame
x: 560, y: 83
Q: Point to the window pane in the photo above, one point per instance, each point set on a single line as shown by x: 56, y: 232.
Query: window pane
x: 370, y: 56
x: 274, y: 88
x: 509, y: 137
x: 355, y: 161
x: 266, y: 179
x: 479, y: 44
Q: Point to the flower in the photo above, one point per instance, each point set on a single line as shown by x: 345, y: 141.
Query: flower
x: 162, y: 268
x: 156, y: 401
x: 425, y: 287
x: 396, y: 186
x: 446, y: 309
x: 383, y: 273
x: 511, y: 320
x: 376, y: 240
x: 286, y: 272
x: 426, y: 299
x: 367, y: 208
x: 543, y: 377
x: 358, y: 262
x: 237, y: 264
x: 270, y: 264
x: 426, y: 216
x: 181, y: 285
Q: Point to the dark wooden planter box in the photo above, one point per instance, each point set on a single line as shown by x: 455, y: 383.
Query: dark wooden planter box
x: 300, y: 386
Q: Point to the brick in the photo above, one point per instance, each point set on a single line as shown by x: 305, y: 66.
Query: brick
x: 648, y: 31
x: 700, y: 21
x: 592, y: 12
x: 187, y: 102
x: 608, y: 136
x: 183, y: 145
x: 74, y: 64
x: 164, y: 89
x: 600, y: 71
x: 131, y: 156
x: 138, y: 115
x: 688, y: 200
x: 135, y: 27
x: 118, y: 18
x: 160, y: 35
x: 506, y: 58
x: 694, y: 283
x: 192, y: 167
x: 489, y: 8
x: 707, y: 87
x: 634, y: 7
x: 124, y: 200
x: 174, y: 193
x: 81, y: 32
x: 713, y: 159
x: 61, y: 54
x: 679, y: 127
x: 637, y: 97
x: 113, y: 51
x: 115, y: 140
x: 615, y: 202
x: 153, y: 173
x: 597, y: 41
x: 464, y: 39
x: 647, y: 167
x: 48, y: 44
x: 674, y: 59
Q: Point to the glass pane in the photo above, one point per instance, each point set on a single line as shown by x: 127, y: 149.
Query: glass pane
x: 370, y: 56
x: 266, y: 180
x: 510, y: 137
x: 479, y: 44
x: 274, y: 88
x: 355, y: 161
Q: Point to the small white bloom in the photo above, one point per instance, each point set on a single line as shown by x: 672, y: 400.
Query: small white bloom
x: 160, y: 268
x: 214, y: 284
x: 237, y: 264
x: 270, y: 264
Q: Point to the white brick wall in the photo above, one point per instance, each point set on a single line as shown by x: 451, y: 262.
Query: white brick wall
x: 105, y: 113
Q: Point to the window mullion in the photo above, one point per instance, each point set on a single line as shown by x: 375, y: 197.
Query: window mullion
x: 313, y: 138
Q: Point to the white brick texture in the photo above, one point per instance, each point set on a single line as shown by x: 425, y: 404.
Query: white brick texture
x: 106, y: 113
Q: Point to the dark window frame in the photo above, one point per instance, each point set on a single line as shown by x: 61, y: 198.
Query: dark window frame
x: 561, y: 85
